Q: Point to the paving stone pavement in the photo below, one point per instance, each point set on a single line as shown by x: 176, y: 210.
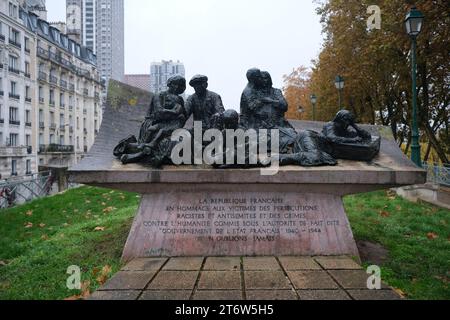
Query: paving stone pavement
x: 242, y: 278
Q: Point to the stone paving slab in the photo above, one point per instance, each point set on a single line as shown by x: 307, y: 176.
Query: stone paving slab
x: 261, y: 264
x: 174, y: 280
x: 184, y: 264
x: 299, y: 263
x: 236, y: 278
x: 268, y: 280
x: 337, y: 263
x: 145, y: 264
x: 312, y: 280
x: 223, y: 264
x: 220, y: 280
x: 136, y: 280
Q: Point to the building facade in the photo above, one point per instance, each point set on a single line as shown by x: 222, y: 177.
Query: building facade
x: 17, y: 87
x: 49, y: 94
x: 99, y: 24
x: 160, y: 72
x: 141, y: 81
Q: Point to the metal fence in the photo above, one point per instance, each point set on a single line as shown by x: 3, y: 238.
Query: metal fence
x: 438, y: 174
x: 13, y: 193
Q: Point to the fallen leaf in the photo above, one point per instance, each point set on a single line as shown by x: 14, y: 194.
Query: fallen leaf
x: 2, y: 263
x: 109, y: 209
x: 385, y: 214
x: 106, y: 270
x: 29, y: 213
x: 103, y: 204
x: 95, y: 271
x: 66, y: 224
x: 99, y: 229
x: 432, y: 236
x: 88, y: 201
x: 42, y: 225
x: 28, y: 225
x: 73, y: 298
x: 400, y: 292
x: 85, y: 292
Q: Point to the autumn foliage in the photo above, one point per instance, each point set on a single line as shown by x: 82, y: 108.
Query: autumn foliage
x: 377, y: 68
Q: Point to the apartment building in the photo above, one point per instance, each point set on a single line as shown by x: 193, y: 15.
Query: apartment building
x: 17, y: 87
x: 51, y: 105
x: 160, y: 72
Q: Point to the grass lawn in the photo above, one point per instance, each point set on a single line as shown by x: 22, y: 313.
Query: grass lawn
x: 88, y: 227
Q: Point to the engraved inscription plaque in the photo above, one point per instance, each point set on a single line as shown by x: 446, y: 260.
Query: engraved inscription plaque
x: 240, y: 224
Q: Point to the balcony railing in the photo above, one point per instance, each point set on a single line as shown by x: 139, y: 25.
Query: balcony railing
x: 41, y: 125
x: 42, y: 76
x: 41, y: 100
x: 62, y: 106
x: 51, y: 148
x: 2, y: 120
x: 51, y: 104
x: 70, y: 107
x: 28, y: 75
x: 2, y: 93
x: 28, y: 124
x: 71, y: 129
x: 53, y: 79
x: 53, y: 126
x: 14, y: 122
x: 84, y: 111
x: 86, y: 92
x: 2, y: 37
x: 71, y: 87
x: 28, y: 100
x: 14, y: 96
x: 63, y: 84
x: 15, y: 43
x: 14, y: 70
x: 62, y: 127
x: 42, y: 53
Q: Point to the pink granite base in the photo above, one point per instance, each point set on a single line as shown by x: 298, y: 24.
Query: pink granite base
x: 240, y: 223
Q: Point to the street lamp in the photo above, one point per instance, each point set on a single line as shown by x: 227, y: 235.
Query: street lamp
x: 300, y: 111
x: 339, y: 83
x: 314, y: 102
x: 413, y: 23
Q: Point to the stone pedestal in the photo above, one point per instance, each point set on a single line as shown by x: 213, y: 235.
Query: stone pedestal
x: 248, y: 221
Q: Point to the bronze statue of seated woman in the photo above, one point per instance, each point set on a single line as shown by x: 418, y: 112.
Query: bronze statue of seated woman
x: 166, y: 114
x: 348, y: 141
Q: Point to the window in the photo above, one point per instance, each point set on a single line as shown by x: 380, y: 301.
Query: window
x: 14, y: 167
x: 13, y: 115
x: 28, y: 116
x: 27, y: 94
x: 28, y: 140
x: 52, y: 138
x: 13, y: 139
x: 13, y: 88
x: 52, y: 97
x: 13, y: 63
x: 61, y: 140
x: 41, y: 94
x: 41, y: 116
x: 27, y: 69
x: 41, y: 138
x: 28, y: 167
x: 12, y: 10
x: 27, y: 44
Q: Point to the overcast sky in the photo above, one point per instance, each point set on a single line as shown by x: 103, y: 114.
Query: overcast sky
x: 219, y: 38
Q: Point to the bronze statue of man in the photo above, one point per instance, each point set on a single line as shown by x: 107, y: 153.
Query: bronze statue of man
x: 205, y: 105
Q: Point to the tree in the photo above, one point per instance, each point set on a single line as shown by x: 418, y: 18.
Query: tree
x: 376, y: 66
x: 297, y: 92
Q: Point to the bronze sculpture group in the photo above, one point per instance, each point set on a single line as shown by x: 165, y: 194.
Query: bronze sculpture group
x: 262, y: 107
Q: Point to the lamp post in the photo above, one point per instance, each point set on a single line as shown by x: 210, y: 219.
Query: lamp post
x: 300, y: 111
x: 413, y: 23
x: 339, y: 83
x: 313, y: 102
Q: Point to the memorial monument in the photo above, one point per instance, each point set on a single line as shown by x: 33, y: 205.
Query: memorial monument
x: 233, y: 209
